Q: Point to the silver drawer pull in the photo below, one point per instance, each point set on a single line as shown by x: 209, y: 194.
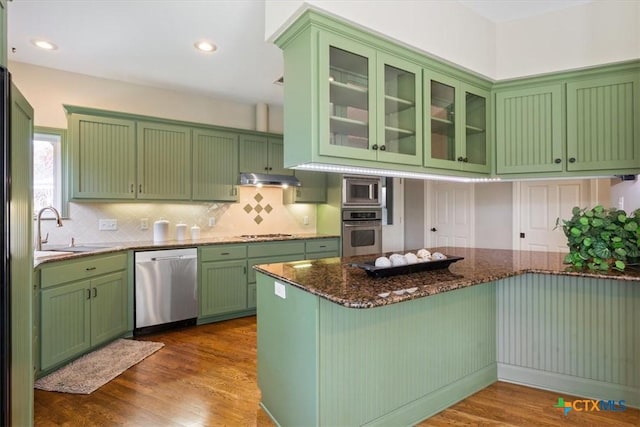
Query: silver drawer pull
x: 90, y: 268
x: 225, y: 253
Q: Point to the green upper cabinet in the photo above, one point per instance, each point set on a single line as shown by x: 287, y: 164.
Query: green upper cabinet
x: 3, y: 33
x: 399, y: 133
x: 215, y: 165
x: 347, y: 95
x: 313, y: 188
x: 370, y: 103
x: 456, y: 125
x: 529, y: 130
x: 603, y: 123
x: 262, y: 154
x: 164, y: 161
x: 103, y: 152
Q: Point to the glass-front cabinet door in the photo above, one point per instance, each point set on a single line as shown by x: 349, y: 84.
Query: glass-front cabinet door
x: 399, y: 137
x: 456, y: 125
x: 440, y: 126
x: 476, y: 147
x: 347, y: 92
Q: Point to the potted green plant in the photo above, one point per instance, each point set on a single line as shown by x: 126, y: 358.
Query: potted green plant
x: 602, y: 239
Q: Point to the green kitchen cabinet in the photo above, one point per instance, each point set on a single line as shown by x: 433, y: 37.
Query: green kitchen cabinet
x: 262, y: 154
x: 222, y: 272
x: 103, y: 153
x: 3, y: 33
x: 164, y: 161
x: 83, y: 304
x: 456, y: 124
x: 215, y: 165
x: 223, y: 287
x: 529, y: 129
x: 270, y: 252
x: 322, y: 248
x: 369, y: 103
x: 313, y: 188
x: 603, y: 122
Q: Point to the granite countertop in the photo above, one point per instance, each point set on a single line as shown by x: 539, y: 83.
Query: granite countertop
x: 114, y: 247
x: 336, y: 280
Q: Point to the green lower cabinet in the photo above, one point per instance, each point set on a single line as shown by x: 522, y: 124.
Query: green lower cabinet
x: 322, y: 248
x: 252, y: 297
x: 108, y: 307
x: 65, y: 323
x: 223, y: 287
x: 83, y: 303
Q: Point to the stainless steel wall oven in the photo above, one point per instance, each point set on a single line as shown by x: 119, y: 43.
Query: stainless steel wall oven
x: 361, y: 231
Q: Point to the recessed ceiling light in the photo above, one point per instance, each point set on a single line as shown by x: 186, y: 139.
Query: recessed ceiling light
x: 44, y: 44
x: 205, y: 46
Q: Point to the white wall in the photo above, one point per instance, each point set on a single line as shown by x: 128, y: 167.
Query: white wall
x: 598, y: 32
x: 47, y: 90
x: 594, y: 33
x: 629, y: 190
x: 441, y: 28
x: 493, y: 215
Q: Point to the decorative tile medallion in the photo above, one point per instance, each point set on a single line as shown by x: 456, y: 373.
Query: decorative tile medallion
x: 258, y: 208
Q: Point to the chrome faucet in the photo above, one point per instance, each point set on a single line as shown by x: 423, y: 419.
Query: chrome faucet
x: 39, y: 239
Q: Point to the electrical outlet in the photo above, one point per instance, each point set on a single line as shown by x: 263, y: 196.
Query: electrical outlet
x: 280, y: 290
x: 144, y: 224
x: 305, y: 220
x: 212, y: 221
x: 107, y: 224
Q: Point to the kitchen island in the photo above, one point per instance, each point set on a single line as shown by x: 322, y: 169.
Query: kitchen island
x: 332, y: 351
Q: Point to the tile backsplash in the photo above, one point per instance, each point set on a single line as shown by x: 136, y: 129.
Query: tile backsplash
x: 258, y: 211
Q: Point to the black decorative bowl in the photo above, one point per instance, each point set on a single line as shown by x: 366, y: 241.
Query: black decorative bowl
x: 373, y: 271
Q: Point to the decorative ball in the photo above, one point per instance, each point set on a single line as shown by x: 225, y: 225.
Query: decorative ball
x: 438, y: 256
x: 383, y: 261
x: 423, y: 253
x: 411, y: 258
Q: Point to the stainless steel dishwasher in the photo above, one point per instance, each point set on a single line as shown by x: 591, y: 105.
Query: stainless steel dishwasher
x: 166, y: 289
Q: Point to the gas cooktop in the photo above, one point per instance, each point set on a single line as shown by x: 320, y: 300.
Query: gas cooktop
x: 265, y: 236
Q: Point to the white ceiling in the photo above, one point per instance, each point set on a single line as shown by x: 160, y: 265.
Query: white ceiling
x: 150, y: 42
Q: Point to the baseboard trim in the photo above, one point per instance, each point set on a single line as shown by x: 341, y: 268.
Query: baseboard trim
x: 439, y: 400
x: 568, y: 384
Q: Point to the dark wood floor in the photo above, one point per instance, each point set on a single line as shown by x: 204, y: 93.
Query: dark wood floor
x: 206, y: 376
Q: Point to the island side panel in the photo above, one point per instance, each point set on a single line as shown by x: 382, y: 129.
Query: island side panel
x: 575, y: 335
x: 287, y: 339
x: 401, y: 363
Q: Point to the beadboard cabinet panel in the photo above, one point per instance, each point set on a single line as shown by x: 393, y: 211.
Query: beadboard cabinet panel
x: 603, y: 123
x: 103, y: 153
x: 261, y: 154
x: 572, y: 334
x: 215, y: 165
x: 223, y: 288
x: 64, y: 322
x: 164, y: 161
x: 529, y: 130
x: 109, y: 307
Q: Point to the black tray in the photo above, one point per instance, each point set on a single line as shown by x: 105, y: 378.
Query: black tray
x: 373, y: 271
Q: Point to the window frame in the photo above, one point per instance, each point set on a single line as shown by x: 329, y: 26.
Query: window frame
x: 64, y: 178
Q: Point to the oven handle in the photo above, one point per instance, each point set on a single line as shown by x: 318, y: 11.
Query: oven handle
x: 362, y: 224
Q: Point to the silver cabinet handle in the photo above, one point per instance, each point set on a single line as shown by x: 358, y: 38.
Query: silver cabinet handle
x: 95, y: 292
x: 88, y: 293
x: 131, y: 188
x: 90, y: 268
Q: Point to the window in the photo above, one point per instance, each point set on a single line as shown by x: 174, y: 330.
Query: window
x: 48, y: 170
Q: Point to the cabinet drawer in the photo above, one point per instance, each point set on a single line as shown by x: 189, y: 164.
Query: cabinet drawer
x: 223, y: 252
x: 276, y: 248
x: 323, y: 245
x: 251, y: 276
x: 68, y: 271
x: 320, y: 255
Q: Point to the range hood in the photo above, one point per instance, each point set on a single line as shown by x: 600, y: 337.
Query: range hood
x: 263, y: 179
